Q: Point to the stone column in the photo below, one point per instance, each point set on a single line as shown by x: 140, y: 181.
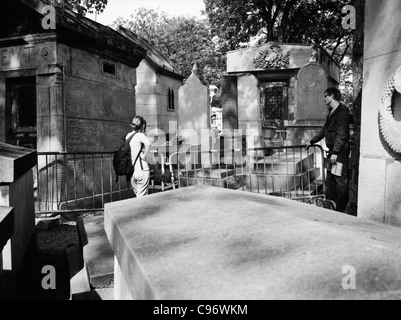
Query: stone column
x: 51, y: 115
x: 380, y: 167
x: 51, y: 135
x: 229, y: 97
x: 3, y: 109
x: 249, y: 110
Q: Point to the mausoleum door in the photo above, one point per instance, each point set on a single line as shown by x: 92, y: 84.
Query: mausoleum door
x: 273, y: 104
x: 22, y: 104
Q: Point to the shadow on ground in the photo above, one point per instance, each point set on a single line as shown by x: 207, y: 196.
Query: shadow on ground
x: 50, y: 250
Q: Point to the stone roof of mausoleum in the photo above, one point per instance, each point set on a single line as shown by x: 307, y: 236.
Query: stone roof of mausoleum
x: 156, y: 59
x: 24, y: 17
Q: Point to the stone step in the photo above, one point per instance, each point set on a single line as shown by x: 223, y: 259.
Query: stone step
x: 282, y: 182
x: 79, y: 281
x: 229, y: 181
x: 293, y: 163
x: 209, y: 173
x: 315, y: 188
x: 97, y: 253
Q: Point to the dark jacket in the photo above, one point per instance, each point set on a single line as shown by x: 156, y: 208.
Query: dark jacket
x: 336, y: 131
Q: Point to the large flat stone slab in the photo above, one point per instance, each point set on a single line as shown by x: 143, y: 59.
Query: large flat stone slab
x: 210, y: 243
x: 15, y: 162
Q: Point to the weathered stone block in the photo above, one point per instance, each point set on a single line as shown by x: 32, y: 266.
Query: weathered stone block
x: 382, y: 19
x: 194, y: 110
x: 371, y: 193
x: 312, y: 82
x: 15, y: 162
x: 393, y: 194
x: 285, y: 163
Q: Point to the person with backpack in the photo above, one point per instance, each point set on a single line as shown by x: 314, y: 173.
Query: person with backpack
x: 139, y: 146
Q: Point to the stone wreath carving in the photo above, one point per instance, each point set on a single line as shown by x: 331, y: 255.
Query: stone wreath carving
x: 274, y: 58
x: 388, y: 125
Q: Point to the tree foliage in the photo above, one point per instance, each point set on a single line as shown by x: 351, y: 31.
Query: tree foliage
x: 82, y: 7
x: 183, y: 39
x: 289, y: 21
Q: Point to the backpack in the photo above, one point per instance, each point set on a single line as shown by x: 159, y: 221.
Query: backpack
x: 122, y: 163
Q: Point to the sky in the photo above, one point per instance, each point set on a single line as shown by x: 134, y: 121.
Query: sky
x: 124, y: 8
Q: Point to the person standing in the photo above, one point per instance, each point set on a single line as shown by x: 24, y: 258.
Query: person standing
x: 140, y: 146
x: 336, y: 130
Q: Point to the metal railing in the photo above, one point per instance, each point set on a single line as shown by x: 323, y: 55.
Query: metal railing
x: 289, y: 171
x: 85, y: 181
x: 76, y: 181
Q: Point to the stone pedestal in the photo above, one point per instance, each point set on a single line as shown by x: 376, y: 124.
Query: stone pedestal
x: 208, y: 243
x: 16, y: 190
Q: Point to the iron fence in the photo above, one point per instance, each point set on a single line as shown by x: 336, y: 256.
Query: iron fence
x: 85, y: 181
x: 289, y: 171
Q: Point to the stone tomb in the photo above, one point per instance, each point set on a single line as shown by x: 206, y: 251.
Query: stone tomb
x: 16, y: 190
x: 194, y: 108
x: 210, y: 243
x: 276, y: 90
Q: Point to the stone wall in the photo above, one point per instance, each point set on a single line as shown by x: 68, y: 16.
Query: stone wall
x: 78, y: 105
x: 380, y: 168
x: 98, y: 106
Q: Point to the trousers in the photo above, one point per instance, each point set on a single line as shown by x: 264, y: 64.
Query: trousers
x: 337, y: 187
x: 140, y: 182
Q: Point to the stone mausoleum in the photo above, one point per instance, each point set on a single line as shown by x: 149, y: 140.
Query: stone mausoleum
x: 64, y: 89
x: 73, y: 87
x: 277, y: 90
x: 158, y: 82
